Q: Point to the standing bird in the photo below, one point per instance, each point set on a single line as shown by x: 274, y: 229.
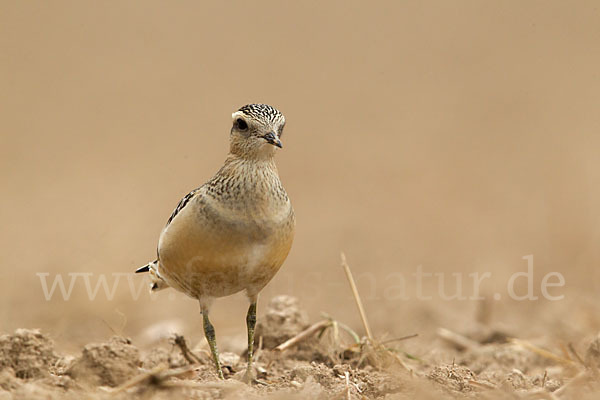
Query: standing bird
x: 234, y: 232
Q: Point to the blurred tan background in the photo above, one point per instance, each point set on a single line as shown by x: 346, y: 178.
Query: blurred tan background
x: 456, y: 136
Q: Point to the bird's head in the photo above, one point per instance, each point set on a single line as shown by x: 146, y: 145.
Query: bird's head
x: 256, y: 131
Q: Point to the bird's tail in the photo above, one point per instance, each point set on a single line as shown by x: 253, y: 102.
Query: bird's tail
x: 156, y: 281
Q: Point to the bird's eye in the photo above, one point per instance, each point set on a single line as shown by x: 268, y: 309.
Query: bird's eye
x: 241, y: 124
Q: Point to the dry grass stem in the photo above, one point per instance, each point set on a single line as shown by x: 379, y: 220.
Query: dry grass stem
x: 539, y: 351
x: 359, y: 304
x: 457, y: 340
x: 414, y: 335
x: 483, y: 385
x: 179, y: 341
x: 347, y: 375
x: 576, y: 355
x: 370, y: 349
x: 228, y: 385
x: 157, y: 375
x: 308, y: 332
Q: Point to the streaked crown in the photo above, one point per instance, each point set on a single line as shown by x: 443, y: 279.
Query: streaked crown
x: 262, y: 112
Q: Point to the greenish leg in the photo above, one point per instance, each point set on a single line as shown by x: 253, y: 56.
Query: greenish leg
x: 209, y: 332
x: 251, y: 323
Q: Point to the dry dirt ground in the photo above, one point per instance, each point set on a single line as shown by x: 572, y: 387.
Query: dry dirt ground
x: 331, y: 363
x: 456, y: 136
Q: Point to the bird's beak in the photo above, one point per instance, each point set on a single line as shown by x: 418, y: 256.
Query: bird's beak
x: 272, y: 138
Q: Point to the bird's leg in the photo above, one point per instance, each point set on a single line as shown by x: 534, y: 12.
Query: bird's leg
x: 209, y: 332
x: 251, y: 323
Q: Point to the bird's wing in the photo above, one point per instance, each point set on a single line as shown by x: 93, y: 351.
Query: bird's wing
x: 182, y: 203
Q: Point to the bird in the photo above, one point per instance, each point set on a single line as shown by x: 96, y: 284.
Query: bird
x: 234, y: 232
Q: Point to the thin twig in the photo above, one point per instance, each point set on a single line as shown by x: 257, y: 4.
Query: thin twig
x: 565, y: 351
x: 354, y: 335
x: 541, y: 352
x: 545, y: 378
x: 577, y: 357
x: 190, y: 357
x: 228, y: 385
x: 343, y: 326
x: 336, y: 332
x: 414, y: 335
x: 347, y: 385
x: 138, y: 379
x: 157, y: 375
x: 458, y: 340
x: 399, y: 361
x: 311, y: 330
x: 359, y: 304
x: 481, y: 384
